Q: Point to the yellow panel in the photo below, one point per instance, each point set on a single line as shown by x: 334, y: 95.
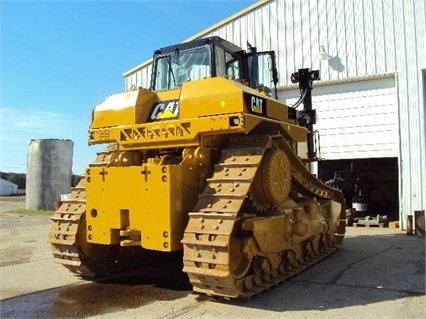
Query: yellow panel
x: 117, y: 108
x: 209, y: 97
x: 137, y: 199
x: 160, y: 217
x: 295, y: 132
x: 277, y: 110
x: 128, y: 108
x: 168, y: 95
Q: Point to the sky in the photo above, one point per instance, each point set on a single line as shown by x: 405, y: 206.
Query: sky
x: 59, y: 59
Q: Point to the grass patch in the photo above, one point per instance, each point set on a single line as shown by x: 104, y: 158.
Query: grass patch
x: 32, y: 212
x: 12, y: 198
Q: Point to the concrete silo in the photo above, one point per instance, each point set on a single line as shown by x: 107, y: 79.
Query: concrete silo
x: 49, y: 172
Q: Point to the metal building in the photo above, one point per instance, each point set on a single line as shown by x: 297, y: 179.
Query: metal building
x: 7, y: 188
x: 371, y: 98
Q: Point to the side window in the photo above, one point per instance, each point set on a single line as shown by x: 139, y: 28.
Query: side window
x: 232, y: 67
x: 262, y: 71
x: 227, y: 65
x: 220, y: 61
x: 265, y: 72
x: 161, y: 75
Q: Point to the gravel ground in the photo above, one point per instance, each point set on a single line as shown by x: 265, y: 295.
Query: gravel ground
x: 380, y: 273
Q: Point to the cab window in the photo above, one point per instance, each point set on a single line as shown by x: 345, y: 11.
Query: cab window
x: 188, y: 65
x: 227, y: 64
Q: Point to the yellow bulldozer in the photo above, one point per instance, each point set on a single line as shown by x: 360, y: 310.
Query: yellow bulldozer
x: 204, y: 163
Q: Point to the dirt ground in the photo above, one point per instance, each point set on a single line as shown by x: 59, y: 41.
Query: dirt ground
x: 380, y: 273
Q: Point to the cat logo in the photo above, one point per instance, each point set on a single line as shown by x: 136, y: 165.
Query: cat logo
x: 255, y: 104
x: 165, y: 110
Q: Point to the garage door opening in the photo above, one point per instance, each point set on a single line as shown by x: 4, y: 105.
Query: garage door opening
x: 370, y: 185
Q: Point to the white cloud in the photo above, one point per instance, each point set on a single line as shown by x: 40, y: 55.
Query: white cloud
x: 34, y: 121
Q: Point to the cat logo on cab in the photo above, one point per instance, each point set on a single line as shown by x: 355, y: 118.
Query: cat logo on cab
x: 165, y: 110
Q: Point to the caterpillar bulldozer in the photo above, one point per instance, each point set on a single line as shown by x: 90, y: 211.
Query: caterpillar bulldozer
x: 204, y: 165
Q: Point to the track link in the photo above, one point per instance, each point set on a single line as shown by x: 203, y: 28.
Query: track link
x: 64, y: 227
x: 67, y: 235
x: 212, y: 238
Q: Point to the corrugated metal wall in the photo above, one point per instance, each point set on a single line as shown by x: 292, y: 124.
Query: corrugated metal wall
x: 362, y: 38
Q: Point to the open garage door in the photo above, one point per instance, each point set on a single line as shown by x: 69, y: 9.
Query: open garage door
x: 369, y: 185
x: 355, y: 119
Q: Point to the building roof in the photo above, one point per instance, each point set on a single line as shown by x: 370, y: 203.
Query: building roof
x: 4, y: 182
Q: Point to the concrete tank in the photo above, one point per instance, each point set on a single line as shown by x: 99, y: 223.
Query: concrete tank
x: 49, y: 172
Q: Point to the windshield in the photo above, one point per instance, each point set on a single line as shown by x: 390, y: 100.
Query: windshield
x: 182, y: 66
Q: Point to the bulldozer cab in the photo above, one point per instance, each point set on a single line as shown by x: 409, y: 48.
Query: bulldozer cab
x: 212, y: 57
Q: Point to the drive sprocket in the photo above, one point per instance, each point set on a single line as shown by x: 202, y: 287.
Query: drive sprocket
x: 272, y: 183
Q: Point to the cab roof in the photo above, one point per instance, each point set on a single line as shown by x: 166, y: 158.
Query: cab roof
x: 214, y: 40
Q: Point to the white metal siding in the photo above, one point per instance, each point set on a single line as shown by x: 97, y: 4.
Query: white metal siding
x: 355, y: 120
x: 363, y: 38
x: 140, y: 78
